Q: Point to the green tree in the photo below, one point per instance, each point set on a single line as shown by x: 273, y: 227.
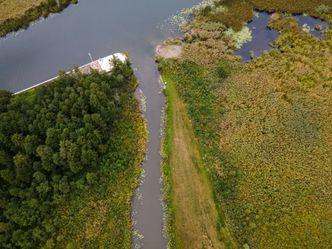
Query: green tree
x: 23, y: 167
x: 45, y: 153
x: 30, y: 144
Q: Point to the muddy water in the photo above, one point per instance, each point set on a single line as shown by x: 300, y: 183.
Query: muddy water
x: 102, y: 27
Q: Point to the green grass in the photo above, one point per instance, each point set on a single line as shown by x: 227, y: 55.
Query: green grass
x: 166, y: 149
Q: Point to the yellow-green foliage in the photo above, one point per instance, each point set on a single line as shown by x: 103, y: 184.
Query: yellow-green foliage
x: 293, y: 6
x: 228, y: 16
x: 208, y: 38
x: 101, y: 216
x: 11, y: 8
x: 277, y: 132
x: 234, y: 13
x: 265, y: 130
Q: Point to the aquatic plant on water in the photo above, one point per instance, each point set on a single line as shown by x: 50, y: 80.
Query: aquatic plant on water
x: 183, y: 16
x: 241, y: 37
x: 306, y: 28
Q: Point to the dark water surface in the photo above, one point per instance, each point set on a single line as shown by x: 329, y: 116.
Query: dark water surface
x: 102, y: 27
x: 262, y: 37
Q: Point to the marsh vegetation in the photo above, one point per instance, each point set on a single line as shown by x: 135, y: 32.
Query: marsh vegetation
x: 263, y: 128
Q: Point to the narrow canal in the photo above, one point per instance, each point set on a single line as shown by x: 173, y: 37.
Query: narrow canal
x: 103, y: 27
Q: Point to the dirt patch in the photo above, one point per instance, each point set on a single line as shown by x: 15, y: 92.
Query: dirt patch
x: 169, y: 51
x: 275, y: 16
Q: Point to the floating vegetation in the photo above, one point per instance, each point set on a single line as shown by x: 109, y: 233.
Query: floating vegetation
x: 182, y: 17
x: 306, y: 28
x: 241, y: 37
x: 142, y: 99
x: 196, y: 9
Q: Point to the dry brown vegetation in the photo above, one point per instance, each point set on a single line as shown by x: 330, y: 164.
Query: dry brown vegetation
x: 14, y: 8
x: 276, y: 131
x: 292, y: 6
x: 228, y: 17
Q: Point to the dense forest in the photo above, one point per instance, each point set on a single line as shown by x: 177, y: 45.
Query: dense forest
x: 264, y: 127
x: 66, y: 149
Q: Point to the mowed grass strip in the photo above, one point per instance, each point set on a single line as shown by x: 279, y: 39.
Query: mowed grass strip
x: 15, y: 8
x: 196, y: 216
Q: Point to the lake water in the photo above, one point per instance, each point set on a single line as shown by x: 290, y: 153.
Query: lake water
x: 103, y: 27
x: 263, y: 37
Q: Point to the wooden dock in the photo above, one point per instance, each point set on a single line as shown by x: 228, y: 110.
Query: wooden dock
x: 101, y: 65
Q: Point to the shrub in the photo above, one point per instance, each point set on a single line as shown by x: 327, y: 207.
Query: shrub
x: 223, y: 69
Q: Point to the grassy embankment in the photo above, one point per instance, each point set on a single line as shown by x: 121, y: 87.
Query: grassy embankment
x: 263, y: 129
x: 15, y: 15
x: 67, y: 178
x: 193, y: 216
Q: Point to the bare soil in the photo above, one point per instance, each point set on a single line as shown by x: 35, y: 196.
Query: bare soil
x: 169, y: 51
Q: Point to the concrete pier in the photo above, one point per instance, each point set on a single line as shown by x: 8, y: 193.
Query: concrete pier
x: 101, y: 65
